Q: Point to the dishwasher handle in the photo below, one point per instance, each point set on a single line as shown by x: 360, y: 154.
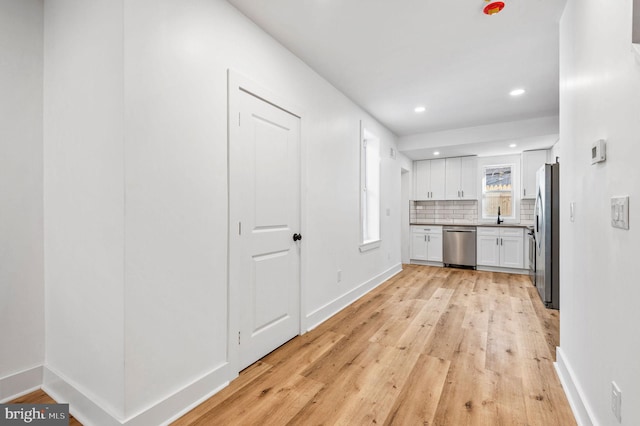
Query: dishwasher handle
x: 459, y: 230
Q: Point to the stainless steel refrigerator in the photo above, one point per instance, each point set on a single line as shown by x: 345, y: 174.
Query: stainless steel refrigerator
x: 547, y: 234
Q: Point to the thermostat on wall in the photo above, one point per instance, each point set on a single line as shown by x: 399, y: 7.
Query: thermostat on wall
x: 598, y: 153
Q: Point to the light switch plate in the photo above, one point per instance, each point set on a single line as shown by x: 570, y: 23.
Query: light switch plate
x: 620, y: 212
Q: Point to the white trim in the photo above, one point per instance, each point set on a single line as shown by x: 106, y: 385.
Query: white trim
x: 635, y: 48
x: 20, y: 383
x: 370, y: 245
x: 499, y: 269
x: 581, y: 409
x: 426, y: 263
x: 84, y: 408
x: 163, y: 412
x: 328, y: 310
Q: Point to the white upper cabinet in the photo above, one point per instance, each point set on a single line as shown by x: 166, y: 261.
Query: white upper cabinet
x: 531, y: 162
x: 461, y: 178
x: 429, y: 179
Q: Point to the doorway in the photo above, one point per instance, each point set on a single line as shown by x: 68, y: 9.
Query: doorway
x: 264, y: 223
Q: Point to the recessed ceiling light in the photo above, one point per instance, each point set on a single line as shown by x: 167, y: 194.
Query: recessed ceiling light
x: 420, y: 109
x: 517, y: 92
x: 513, y: 145
x: 436, y: 152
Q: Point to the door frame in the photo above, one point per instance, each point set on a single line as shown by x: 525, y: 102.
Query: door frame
x: 237, y: 83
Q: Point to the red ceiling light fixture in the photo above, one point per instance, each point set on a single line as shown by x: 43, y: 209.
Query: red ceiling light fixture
x: 493, y: 8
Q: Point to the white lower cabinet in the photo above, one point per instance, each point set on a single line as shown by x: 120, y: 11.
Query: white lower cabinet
x: 426, y: 243
x: 500, y: 247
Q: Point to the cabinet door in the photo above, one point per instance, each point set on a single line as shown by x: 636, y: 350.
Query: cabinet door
x: 418, y: 246
x: 437, y: 179
x: 531, y: 162
x: 488, y: 250
x: 452, y: 179
x: 512, y: 252
x: 434, y: 250
x: 469, y: 178
x: 421, y: 170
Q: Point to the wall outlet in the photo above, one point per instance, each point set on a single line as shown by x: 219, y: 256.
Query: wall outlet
x: 339, y: 275
x: 616, y: 401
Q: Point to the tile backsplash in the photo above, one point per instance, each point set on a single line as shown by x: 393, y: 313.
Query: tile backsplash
x: 458, y: 212
x: 526, y: 211
x: 444, y: 211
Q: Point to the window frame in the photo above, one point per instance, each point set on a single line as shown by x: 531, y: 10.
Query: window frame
x: 515, y: 217
x: 370, y: 190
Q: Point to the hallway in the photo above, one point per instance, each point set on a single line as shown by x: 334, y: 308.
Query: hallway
x: 431, y: 346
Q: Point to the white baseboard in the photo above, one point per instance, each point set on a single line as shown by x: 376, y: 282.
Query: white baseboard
x: 21, y: 383
x: 88, y: 412
x: 185, y: 399
x: 505, y: 270
x: 81, y: 406
x: 579, y: 405
x: 426, y: 263
x: 323, y: 313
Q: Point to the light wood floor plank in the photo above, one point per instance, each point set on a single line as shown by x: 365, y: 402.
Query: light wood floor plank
x: 432, y: 346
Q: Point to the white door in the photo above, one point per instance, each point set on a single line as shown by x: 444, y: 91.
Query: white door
x: 452, y: 178
x: 434, y: 251
x: 488, y: 250
x: 512, y: 252
x: 421, y: 184
x: 469, y: 178
x: 418, y: 246
x: 437, y: 179
x: 265, y: 196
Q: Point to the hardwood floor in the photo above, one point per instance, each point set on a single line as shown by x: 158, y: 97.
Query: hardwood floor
x: 40, y: 397
x: 431, y: 346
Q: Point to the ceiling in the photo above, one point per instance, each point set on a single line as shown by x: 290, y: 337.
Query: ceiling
x: 391, y: 56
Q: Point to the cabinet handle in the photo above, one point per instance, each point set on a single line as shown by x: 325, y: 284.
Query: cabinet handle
x: 425, y: 238
x: 428, y: 238
x: 462, y: 193
x: 525, y: 192
x: 500, y: 241
x: 496, y: 241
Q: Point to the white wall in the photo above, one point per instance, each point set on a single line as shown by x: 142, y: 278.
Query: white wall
x: 406, y: 166
x: 599, y: 315
x: 21, y: 211
x: 136, y: 195
x: 84, y: 199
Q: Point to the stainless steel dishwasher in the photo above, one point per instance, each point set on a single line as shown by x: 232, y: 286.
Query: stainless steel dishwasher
x: 459, y: 246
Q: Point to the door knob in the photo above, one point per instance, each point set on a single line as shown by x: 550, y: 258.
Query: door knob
x: 297, y: 237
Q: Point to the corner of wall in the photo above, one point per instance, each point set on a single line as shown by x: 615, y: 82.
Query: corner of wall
x: 21, y: 383
x: 579, y: 405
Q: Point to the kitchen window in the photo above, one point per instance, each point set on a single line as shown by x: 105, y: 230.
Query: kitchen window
x: 369, y: 190
x: 498, y: 192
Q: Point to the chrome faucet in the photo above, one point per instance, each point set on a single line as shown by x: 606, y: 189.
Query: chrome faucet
x: 499, y: 220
